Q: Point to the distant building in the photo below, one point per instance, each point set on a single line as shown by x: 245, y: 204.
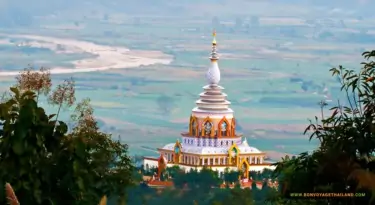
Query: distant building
x: 211, y: 140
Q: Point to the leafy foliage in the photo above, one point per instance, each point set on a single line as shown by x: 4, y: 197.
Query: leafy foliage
x: 201, y: 188
x: 235, y: 196
x: 47, y: 165
x: 344, y: 160
x: 37, y: 81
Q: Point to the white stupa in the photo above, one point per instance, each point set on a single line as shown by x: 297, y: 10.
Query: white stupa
x: 212, y: 140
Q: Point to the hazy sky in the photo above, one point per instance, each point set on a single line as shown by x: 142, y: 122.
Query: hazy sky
x: 20, y: 10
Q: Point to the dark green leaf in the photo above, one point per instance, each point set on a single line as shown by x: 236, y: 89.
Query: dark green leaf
x: 17, y: 147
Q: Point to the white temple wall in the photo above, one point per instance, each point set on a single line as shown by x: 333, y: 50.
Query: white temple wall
x: 149, y: 163
x: 216, y: 142
x: 222, y: 168
x: 219, y: 116
x: 154, y: 163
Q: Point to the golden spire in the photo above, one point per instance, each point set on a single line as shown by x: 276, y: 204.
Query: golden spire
x: 214, y: 35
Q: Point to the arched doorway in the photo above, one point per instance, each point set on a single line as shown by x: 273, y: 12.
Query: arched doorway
x: 233, y: 154
x: 162, y: 165
x: 193, y: 126
x: 223, y: 128
x: 208, y: 128
x: 245, y: 168
x: 177, y: 152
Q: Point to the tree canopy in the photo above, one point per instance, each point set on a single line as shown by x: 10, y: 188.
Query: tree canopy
x: 47, y: 164
x: 344, y: 161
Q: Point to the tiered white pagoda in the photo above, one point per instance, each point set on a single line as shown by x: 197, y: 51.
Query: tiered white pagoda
x: 212, y: 140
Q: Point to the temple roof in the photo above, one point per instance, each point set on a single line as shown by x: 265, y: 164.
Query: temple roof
x: 213, y: 72
x: 197, y: 109
x: 213, y: 99
x: 244, y: 149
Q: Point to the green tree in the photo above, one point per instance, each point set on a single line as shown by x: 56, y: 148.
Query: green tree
x: 173, y: 171
x: 231, y: 176
x: 344, y: 161
x: 236, y: 196
x: 47, y: 165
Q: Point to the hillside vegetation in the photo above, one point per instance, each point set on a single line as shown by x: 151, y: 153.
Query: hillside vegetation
x: 48, y: 162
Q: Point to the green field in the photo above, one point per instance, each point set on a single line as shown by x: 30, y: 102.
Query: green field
x: 273, y: 81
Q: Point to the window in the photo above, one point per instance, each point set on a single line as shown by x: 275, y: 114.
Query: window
x: 147, y: 167
x: 224, y: 129
x: 177, y: 149
x: 193, y: 128
x: 221, y: 143
x: 207, y: 128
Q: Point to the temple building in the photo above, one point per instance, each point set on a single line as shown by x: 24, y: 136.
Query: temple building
x: 212, y: 140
